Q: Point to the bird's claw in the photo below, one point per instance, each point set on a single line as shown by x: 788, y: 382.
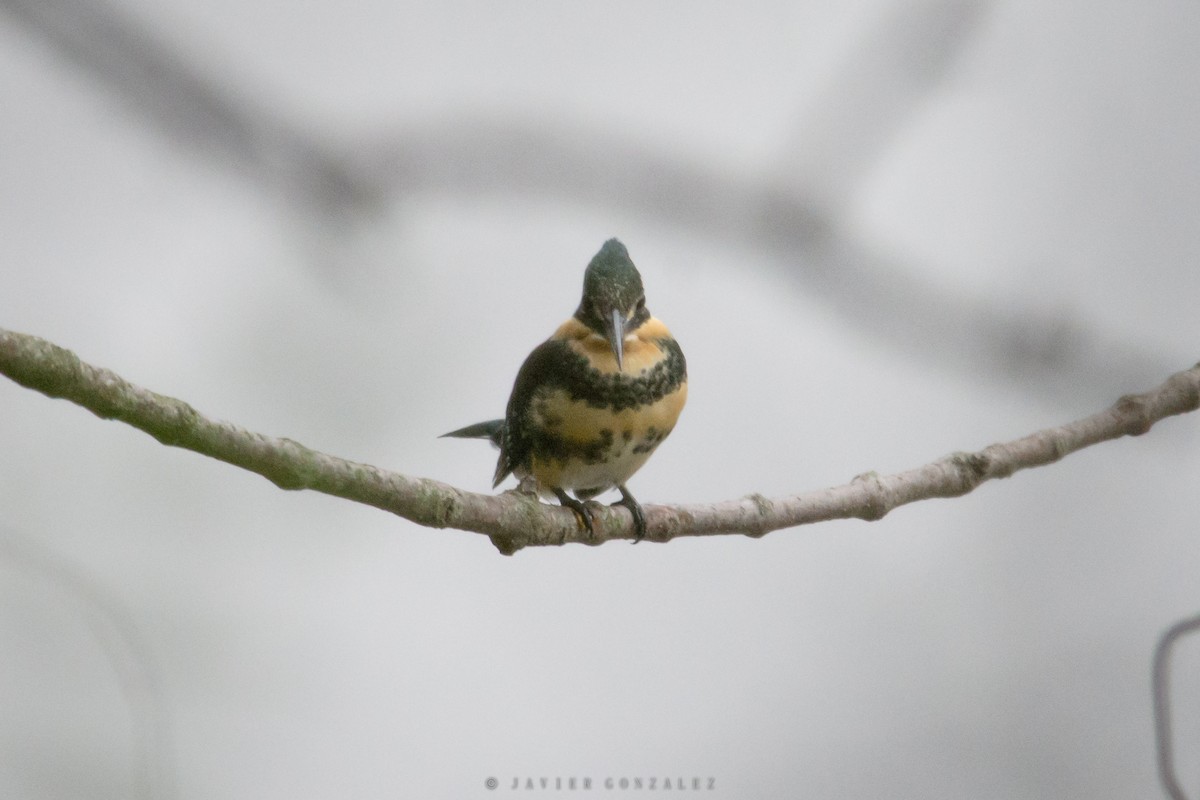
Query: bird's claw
x: 582, y: 512
x: 635, y: 510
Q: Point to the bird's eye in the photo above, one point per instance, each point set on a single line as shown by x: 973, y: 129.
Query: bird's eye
x: 641, y: 304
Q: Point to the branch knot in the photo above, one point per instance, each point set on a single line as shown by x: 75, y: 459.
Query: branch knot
x: 516, y: 519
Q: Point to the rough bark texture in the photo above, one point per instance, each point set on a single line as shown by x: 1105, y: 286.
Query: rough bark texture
x: 514, y: 519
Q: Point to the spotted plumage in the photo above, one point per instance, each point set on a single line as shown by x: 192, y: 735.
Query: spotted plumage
x: 592, y: 402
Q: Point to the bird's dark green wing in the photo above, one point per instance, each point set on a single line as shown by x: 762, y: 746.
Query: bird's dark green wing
x: 542, y: 370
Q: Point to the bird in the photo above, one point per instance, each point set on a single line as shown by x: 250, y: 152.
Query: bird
x: 595, y: 400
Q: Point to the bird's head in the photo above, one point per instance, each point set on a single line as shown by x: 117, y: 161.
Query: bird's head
x: 614, y: 302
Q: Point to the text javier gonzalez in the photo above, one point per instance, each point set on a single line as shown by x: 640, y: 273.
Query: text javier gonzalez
x: 520, y: 783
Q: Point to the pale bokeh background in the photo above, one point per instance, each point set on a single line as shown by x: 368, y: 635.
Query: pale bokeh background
x: 881, y: 231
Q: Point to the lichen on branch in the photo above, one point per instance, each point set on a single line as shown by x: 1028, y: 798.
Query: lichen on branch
x: 514, y: 519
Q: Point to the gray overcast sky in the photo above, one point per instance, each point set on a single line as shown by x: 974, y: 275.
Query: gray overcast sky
x: 881, y: 232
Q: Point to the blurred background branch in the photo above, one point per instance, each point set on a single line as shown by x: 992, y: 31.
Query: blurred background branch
x: 796, y: 214
x: 1164, y: 745
x: 123, y: 646
x: 195, y: 108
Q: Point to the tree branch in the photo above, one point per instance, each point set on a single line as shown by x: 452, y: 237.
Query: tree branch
x: 514, y: 519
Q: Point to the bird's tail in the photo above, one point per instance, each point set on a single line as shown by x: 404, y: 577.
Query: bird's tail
x: 493, y: 430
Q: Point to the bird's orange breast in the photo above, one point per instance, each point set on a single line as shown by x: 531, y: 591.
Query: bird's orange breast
x: 602, y: 440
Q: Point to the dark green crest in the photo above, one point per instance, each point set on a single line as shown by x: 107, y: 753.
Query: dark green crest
x: 611, y: 283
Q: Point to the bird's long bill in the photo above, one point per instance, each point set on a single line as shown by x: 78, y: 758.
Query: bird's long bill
x: 614, y: 329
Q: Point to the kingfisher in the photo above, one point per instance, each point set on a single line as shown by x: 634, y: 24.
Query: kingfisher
x: 592, y: 402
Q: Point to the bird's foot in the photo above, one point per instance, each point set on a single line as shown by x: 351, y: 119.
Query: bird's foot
x: 580, y: 508
x: 635, y: 508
